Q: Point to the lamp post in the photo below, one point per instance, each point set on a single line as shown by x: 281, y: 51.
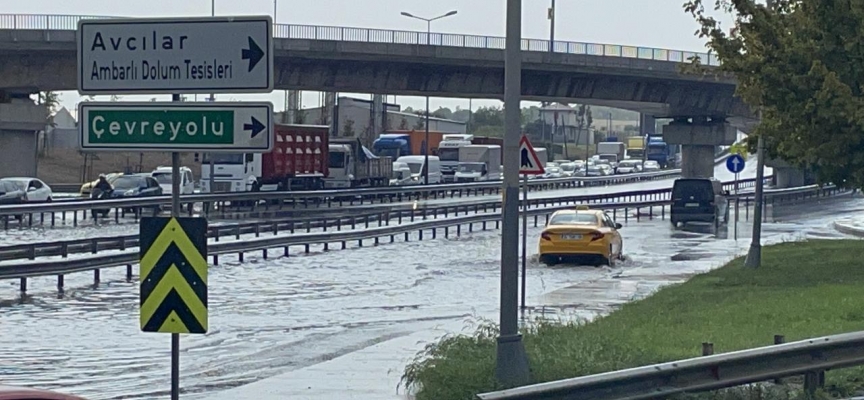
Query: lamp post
x: 426, y: 141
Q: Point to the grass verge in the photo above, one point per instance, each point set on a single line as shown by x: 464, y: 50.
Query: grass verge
x: 802, y: 290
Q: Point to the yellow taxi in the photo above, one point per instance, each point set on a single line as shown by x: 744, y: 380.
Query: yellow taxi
x: 581, y: 234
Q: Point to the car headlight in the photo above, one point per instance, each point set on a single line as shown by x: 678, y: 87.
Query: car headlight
x: 415, y: 178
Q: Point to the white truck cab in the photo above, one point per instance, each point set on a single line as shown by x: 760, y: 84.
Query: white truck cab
x: 163, y: 176
x: 232, y: 172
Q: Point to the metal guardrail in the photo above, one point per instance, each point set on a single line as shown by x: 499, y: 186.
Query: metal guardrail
x: 32, y: 269
x: 329, y: 197
x: 351, y: 34
x: 809, y: 357
x: 93, y: 245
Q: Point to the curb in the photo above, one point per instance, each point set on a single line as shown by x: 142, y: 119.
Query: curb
x: 848, y: 229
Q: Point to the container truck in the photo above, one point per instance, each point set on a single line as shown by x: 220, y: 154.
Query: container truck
x: 660, y: 151
x: 396, y: 144
x: 301, y: 160
x: 618, y: 149
x: 479, y: 162
x: 636, y: 147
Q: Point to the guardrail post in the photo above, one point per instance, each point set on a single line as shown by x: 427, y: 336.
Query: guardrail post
x: 264, y: 253
x: 96, y: 279
x: 240, y: 256
x: 128, y: 272
x: 287, y: 252
x: 60, y: 280
x: 814, y: 381
x: 23, y: 288
x: 707, y: 349
x: 779, y: 339
x: 306, y: 248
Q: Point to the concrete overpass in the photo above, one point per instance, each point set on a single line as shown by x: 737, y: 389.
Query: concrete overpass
x: 37, y: 53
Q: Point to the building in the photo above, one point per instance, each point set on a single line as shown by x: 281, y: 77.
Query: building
x: 61, y: 134
x: 354, y: 119
x: 563, y: 123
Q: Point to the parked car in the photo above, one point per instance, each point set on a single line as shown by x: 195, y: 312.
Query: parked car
x: 11, y: 193
x: 21, y: 393
x: 37, y: 191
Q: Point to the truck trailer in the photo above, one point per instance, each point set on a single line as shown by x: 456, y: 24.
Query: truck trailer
x: 619, y: 149
x: 303, y: 158
x: 396, y: 144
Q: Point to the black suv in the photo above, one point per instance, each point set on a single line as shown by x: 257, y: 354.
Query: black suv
x: 699, y: 200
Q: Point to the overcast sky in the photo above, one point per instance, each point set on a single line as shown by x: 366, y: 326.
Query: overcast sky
x: 647, y: 23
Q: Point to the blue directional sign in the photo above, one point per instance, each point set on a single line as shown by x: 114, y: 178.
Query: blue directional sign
x: 735, y: 163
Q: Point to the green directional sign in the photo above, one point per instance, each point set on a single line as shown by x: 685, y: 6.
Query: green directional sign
x: 207, y: 127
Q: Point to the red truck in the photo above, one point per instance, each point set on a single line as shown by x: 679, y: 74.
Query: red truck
x: 303, y: 158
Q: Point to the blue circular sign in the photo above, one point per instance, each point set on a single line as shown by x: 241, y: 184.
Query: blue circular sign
x: 735, y: 163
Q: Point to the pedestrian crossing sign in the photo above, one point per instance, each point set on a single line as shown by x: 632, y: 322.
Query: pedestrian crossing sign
x: 529, y: 163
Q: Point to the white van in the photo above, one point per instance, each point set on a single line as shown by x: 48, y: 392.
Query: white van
x: 163, y: 176
x: 415, y: 163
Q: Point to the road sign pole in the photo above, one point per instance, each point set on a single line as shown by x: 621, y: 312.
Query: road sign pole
x: 524, y: 237
x: 175, y: 212
x: 511, y: 362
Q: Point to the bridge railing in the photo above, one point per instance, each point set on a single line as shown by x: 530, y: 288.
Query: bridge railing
x: 351, y: 34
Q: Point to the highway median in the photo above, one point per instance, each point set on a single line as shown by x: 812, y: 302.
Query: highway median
x: 803, y: 290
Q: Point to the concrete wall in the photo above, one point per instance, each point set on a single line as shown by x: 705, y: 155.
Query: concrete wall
x: 20, y: 121
x: 18, y: 152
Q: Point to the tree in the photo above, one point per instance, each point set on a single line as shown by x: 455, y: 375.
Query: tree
x: 420, y: 124
x: 798, y: 63
x: 348, y: 128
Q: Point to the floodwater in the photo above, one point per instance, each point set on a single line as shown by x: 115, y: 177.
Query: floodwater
x: 273, y: 316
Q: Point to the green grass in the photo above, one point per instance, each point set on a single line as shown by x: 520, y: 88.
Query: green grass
x: 803, y: 290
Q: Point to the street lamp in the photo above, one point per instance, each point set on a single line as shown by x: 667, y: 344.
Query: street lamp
x: 428, y: 35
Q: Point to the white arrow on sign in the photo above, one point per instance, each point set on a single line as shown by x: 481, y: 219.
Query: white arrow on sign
x: 175, y: 55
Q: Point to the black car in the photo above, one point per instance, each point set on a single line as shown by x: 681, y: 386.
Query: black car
x: 10, y: 193
x: 130, y: 186
x: 135, y: 185
x: 698, y: 200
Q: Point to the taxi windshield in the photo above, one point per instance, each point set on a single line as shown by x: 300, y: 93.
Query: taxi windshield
x: 574, y: 219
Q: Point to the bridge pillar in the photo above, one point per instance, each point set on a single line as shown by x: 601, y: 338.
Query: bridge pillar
x: 787, y: 176
x: 698, y: 139
x: 647, y: 124
x: 20, y: 122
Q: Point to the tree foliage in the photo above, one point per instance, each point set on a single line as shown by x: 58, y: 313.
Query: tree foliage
x: 799, y: 63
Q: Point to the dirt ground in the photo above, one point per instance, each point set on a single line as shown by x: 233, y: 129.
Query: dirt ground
x: 70, y: 166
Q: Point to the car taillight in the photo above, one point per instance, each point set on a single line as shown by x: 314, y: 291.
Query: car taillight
x: 596, y: 236
x: 545, y: 236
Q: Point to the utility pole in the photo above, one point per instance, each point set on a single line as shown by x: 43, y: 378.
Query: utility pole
x: 511, y: 362
x: 428, y: 36
x: 551, y: 17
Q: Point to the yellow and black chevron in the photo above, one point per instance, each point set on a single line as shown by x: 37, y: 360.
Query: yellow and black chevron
x: 173, y: 275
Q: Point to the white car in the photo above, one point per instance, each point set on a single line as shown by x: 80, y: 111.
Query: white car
x: 629, y: 167
x: 552, y: 172
x: 650, y: 166
x: 37, y: 191
x: 568, y: 169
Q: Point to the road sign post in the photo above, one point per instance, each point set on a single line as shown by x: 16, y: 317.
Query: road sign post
x: 529, y: 164
x: 735, y: 164
x: 175, y: 55
x: 173, y: 278
x: 158, y: 126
